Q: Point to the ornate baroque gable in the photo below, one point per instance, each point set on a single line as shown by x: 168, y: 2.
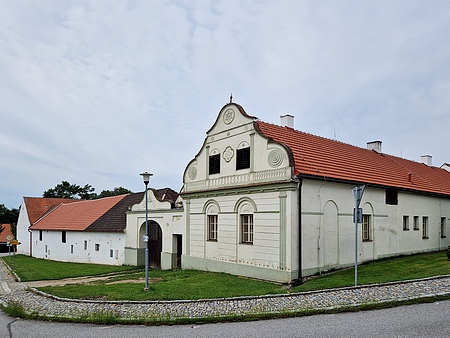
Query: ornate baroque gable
x: 236, y: 154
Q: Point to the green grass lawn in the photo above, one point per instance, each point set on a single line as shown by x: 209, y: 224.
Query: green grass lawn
x: 33, y: 269
x: 190, y: 284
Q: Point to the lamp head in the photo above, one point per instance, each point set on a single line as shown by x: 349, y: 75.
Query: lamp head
x: 146, y: 177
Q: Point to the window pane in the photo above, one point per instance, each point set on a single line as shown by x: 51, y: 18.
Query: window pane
x: 247, y: 228
x: 243, y: 158
x: 214, y: 164
x: 212, y: 227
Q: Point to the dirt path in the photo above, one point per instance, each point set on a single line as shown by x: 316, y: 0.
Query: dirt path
x: 85, y: 280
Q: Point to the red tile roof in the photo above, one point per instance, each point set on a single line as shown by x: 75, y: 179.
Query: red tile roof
x: 6, y: 231
x: 76, y: 216
x: 315, y: 156
x: 38, y: 206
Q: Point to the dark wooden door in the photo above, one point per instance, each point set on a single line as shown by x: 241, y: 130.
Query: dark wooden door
x: 154, y: 245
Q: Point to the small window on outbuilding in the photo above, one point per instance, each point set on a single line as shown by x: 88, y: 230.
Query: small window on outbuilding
x: 243, y: 158
x: 40, y: 235
x: 214, y: 164
x: 63, y: 236
x: 391, y: 197
x: 97, y: 247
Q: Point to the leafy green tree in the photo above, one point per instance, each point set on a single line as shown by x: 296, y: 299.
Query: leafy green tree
x: 9, y: 216
x: 67, y: 190
x: 117, y: 191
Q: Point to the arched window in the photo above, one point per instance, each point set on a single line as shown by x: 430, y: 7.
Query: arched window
x: 245, y: 209
x: 212, y: 220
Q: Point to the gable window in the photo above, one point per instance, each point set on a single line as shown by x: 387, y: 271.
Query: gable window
x: 247, y: 229
x: 405, y: 223
x: 243, y: 158
x: 214, y: 164
x: 212, y: 227
x: 63, y: 236
x: 425, y: 227
x: 391, y: 197
x: 416, y: 223
x: 40, y: 235
x: 443, y: 232
x: 366, y: 228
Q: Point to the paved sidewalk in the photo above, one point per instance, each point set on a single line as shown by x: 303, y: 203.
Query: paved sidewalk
x: 322, y: 300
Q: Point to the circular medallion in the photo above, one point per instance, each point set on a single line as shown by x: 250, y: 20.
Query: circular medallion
x: 228, y: 116
x: 192, y: 173
x: 275, y: 158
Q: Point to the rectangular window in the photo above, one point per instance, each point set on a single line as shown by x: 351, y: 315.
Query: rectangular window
x: 97, y: 247
x: 391, y: 197
x: 212, y: 227
x: 425, y: 227
x: 405, y: 223
x: 366, y: 228
x: 85, y: 245
x: 214, y: 164
x: 40, y: 235
x: 63, y: 236
x: 443, y: 227
x: 243, y: 158
x: 247, y: 229
x: 416, y: 223
x: 111, y: 253
x: 71, y: 249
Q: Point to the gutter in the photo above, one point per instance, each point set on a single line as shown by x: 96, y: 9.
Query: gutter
x: 300, y: 277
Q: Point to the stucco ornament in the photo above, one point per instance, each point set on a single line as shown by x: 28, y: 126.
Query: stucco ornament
x: 228, y: 116
x: 275, y: 158
x: 246, y: 208
x: 228, y: 154
x: 192, y: 173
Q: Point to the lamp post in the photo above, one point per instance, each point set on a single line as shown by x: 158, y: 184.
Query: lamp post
x: 146, y: 177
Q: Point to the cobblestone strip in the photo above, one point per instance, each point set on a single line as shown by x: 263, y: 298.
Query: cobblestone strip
x: 56, y: 307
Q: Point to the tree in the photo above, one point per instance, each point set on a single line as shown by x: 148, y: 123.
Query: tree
x: 117, y: 191
x: 67, y: 190
x: 9, y: 216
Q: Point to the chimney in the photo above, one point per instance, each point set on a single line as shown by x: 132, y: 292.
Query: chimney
x: 287, y: 121
x: 427, y: 159
x: 374, y: 145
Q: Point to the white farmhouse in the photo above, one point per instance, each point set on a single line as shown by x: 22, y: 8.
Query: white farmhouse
x: 271, y: 202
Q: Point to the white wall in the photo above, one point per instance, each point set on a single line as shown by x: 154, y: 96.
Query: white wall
x: 52, y: 247
x: 22, y: 231
x: 328, y: 231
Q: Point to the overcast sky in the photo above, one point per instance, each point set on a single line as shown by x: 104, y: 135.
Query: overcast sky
x: 96, y: 92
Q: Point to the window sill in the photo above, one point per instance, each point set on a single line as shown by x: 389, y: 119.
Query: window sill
x: 405, y: 229
x: 211, y: 240
x: 416, y: 229
x: 367, y: 240
x: 443, y: 236
x: 246, y: 243
x: 425, y: 237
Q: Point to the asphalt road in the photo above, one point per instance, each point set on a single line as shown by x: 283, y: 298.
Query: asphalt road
x: 424, y: 320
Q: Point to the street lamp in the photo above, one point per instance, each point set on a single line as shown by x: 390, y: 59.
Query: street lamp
x: 146, y: 177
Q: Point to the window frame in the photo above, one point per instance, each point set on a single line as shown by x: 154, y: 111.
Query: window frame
x: 64, y: 236
x: 405, y: 222
x: 391, y: 197
x: 366, y: 229
x: 416, y: 223
x: 243, y: 158
x: 213, y: 227
x: 214, y: 164
x: 443, y: 227
x: 247, y: 228
x: 425, y: 227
